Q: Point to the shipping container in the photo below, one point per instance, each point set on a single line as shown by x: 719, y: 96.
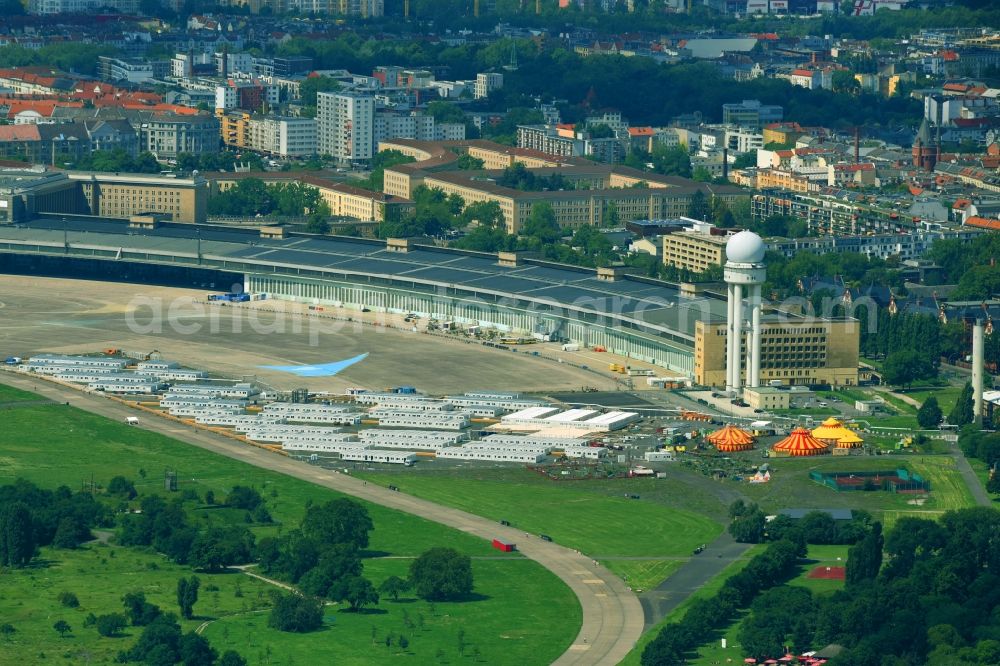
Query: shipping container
x: 505, y: 547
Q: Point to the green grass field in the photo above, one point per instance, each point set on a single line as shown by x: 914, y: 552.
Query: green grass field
x: 946, y: 396
x: 790, y: 485
x: 525, y: 614
x: 11, y: 394
x: 706, y: 591
x: 599, y: 525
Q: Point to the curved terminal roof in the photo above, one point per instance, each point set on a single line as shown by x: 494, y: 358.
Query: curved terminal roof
x: 654, y: 306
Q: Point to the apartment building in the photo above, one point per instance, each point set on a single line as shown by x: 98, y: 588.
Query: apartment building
x: 751, y: 113
x: 346, y: 126
x: 695, y: 250
x: 279, y: 136
x: 486, y: 83
x: 794, y: 351
x: 169, y: 135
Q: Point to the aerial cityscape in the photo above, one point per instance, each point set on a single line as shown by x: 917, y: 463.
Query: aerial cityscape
x: 515, y: 332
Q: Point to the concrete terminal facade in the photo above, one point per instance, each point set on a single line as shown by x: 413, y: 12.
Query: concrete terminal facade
x: 636, y: 317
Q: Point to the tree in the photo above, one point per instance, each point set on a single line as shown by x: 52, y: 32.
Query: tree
x: 317, y: 225
x: 864, y: 559
x: 902, y: 368
x: 139, y: 611
x: 231, y: 658
x: 393, y: 586
x: 62, y: 627
x: 111, y: 624
x: 961, y: 413
x: 339, y: 521
x: 159, y: 642
x: 68, y: 599
x: 748, y: 527
x: 316, y: 84
x: 17, y: 535
x: 7, y: 630
x: 441, y: 573
x: 219, y: 547
x: 295, y: 613
x: 698, y: 207
x: 243, y: 497
x: 195, y: 650
x: 356, y: 591
x: 121, y: 486
x: 187, y: 595
x: 929, y: 415
x: 541, y: 223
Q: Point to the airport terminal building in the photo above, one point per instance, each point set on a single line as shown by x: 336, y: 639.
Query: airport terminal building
x: 636, y: 317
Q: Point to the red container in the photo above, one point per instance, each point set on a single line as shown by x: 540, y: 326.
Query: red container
x: 505, y: 547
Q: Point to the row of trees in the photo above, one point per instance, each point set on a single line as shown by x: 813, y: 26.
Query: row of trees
x: 704, y: 616
x: 116, y: 160
x: 748, y: 524
x: 934, y: 601
x: 253, y: 197
x: 31, y: 517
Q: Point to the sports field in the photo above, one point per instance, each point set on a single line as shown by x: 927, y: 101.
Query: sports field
x: 522, y: 614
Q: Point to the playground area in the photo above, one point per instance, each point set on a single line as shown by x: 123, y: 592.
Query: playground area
x: 899, y: 480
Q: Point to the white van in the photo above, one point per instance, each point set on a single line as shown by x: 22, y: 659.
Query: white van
x: 132, y: 420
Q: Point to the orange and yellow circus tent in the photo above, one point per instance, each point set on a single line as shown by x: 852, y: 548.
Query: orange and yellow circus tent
x: 800, y: 443
x: 730, y: 438
x: 835, y: 433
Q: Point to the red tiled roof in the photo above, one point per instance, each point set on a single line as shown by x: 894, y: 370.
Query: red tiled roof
x: 19, y: 133
x: 803, y: 72
x: 956, y: 87
x: 640, y: 131
x: 983, y: 223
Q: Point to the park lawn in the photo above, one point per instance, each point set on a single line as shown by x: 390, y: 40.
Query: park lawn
x: 946, y: 396
x: 99, y: 574
x: 791, y: 487
x: 904, y: 422
x: 511, y: 624
x: 11, y: 394
x: 592, y: 523
x: 643, y: 574
x: 807, y: 411
x: 54, y: 445
x: 901, y: 406
x: 948, y: 488
x: 709, y: 589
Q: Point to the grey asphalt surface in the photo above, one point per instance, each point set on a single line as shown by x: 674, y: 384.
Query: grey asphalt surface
x: 697, y: 571
x: 613, y: 618
x: 971, y: 480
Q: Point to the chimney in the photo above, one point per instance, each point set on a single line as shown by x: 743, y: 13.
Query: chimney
x: 977, y: 371
x: 725, y: 163
x: 857, y: 145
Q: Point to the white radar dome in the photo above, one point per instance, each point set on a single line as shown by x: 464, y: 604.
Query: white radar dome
x: 745, y: 247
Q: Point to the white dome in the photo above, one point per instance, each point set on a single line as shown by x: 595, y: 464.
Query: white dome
x: 745, y: 247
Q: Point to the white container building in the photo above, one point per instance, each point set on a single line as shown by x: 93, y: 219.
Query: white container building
x: 321, y: 447
x: 241, y: 422
x: 180, y: 375
x: 201, y: 411
x: 170, y: 400
x: 116, y: 386
x: 501, y: 404
x: 275, y: 432
x: 379, y: 456
x: 321, y: 438
x: 430, y: 420
x: 156, y: 366
x: 85, y: 375
x: 471, y: 453
x: 417, y: 439
x: 588, y: 452
x: 45, y: 360
x: 334, y: 418
x: 304, y: 408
